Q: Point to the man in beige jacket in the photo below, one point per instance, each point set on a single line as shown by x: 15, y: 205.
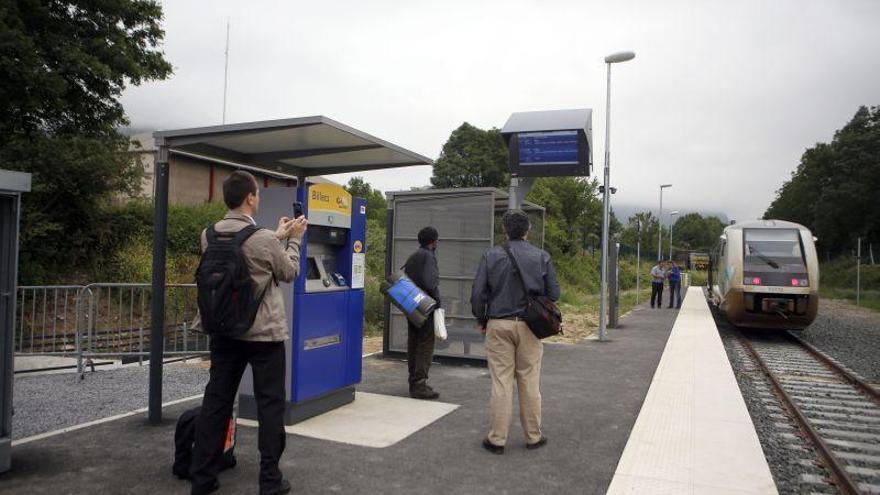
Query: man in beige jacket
x: 271, y: 257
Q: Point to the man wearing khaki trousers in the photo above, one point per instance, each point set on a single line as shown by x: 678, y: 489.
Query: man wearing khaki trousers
x: 498, y: 302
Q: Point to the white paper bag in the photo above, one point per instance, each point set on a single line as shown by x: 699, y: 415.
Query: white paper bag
x: 440, y: 324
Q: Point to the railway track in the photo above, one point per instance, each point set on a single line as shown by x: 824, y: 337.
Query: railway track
x: 837, y: 412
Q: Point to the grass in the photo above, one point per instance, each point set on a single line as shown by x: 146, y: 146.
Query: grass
x: 869, y: 299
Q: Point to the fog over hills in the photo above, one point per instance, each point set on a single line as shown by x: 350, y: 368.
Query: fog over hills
x: 624, y: 211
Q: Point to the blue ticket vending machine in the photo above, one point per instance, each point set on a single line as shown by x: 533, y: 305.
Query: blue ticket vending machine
x: 325, y: 304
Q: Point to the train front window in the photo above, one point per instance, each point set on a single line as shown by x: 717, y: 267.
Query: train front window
x: 773, y: 248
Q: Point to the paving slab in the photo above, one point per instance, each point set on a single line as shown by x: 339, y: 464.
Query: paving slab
x: 592, y: 393
x: 694, y: 433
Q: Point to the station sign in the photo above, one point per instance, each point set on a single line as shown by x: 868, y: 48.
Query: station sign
x: 550, y: 143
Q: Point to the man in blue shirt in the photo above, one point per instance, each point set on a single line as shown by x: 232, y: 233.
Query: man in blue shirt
x: 674, y: 284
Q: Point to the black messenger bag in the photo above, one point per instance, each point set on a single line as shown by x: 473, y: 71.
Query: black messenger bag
x: 542, y: 315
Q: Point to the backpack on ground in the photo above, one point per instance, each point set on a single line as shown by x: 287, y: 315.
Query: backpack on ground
x: 185, y: 437
x: 226, y: 292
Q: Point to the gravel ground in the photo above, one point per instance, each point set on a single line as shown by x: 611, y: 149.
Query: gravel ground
x: 790, y: 457
x: 51, y: 401
x: 849, y: 334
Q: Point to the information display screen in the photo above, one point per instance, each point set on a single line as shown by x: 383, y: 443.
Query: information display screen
x: 548, y: 148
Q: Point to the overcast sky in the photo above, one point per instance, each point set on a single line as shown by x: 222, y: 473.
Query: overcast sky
x: 721, y: 100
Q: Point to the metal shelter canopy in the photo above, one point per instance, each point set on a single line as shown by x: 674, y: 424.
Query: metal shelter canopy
x: 302, y: 147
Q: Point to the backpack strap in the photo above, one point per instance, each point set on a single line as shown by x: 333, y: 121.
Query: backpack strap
x: 244, y: 234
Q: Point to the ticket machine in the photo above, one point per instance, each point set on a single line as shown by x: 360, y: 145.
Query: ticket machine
x: 325, y: 304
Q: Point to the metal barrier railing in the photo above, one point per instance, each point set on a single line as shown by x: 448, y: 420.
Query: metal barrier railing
x: 104, y: 320
x: 47, y: 319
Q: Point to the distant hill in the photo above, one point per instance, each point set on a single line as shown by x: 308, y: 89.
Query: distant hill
x: 622, y: 212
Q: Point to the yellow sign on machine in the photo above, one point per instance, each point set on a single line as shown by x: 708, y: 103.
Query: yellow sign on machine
x: 329, y: 205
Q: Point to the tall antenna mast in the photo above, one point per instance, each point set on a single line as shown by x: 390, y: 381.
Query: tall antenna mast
x: 226, y: 71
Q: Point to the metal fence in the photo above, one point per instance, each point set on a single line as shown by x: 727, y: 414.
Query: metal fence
x: 109, y: 320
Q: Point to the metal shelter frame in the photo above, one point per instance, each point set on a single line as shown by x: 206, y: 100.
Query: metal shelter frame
x: 301, y: 147
x: 12, y: 186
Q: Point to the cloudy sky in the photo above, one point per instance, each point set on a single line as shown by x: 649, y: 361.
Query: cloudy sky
x: 722, y: 98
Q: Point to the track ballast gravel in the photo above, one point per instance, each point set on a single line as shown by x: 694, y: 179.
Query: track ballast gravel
x: 50, y: 402
x: 849, y: 334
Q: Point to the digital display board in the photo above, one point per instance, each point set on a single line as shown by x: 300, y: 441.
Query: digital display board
x: 548, y: 148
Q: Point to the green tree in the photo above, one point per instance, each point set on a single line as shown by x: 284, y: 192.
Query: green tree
x: 573, y: 211
x: 695, y: 232
x: 630, y: 235
x: 64, y: 65
x: 472, y: 157
x: 376, y: 203
x: 834, y: 189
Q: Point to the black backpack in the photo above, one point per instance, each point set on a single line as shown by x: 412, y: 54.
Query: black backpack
x: 226, y: 291
x: 185, y: 437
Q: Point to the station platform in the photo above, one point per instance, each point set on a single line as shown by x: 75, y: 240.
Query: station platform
x: 593, y: 392
x: 694, y: 434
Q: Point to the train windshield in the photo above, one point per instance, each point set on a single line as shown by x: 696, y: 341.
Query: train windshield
x: 773, y: 248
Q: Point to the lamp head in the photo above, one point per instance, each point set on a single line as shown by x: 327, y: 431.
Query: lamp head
x: 663, y: 186
x: 618, y: 57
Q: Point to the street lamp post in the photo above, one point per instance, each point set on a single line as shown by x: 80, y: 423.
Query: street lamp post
x: 660, y: 224
x: 671, y: 214
x: 638, y: 256
x: 614, y: 58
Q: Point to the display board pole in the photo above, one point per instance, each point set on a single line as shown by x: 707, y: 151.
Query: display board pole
x: 519, y: 189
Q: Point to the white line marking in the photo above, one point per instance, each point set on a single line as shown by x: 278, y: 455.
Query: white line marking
x: 97, y: 422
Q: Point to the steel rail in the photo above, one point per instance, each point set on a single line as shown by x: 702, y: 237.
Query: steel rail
x: 859, y: 383
x: 841, y: 478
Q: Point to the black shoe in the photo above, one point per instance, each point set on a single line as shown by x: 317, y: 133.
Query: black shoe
x: 491, y: 447
x: 537, y: 445
x: 282, y: 488
x: 204, y: 491
x: 424, y: 393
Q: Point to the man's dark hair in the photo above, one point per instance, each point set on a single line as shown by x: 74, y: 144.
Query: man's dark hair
x: 428, y: 235
x: 236, y: 187
x: 516, y: 224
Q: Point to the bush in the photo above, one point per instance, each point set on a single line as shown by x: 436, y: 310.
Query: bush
x: 841, y: 273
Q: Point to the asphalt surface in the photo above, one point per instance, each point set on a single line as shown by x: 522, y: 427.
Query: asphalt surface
x: 592, y: 393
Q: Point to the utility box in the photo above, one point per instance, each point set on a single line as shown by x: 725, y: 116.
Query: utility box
x: 469, y: 223
x: 12, y: 185
x: 324, y: 305
x: 549, y: 143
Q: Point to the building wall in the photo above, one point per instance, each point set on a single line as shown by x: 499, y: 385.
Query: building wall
x: 189, y: 181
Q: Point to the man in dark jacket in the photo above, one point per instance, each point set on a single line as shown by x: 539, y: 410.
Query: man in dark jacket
x: 421, y: 268
x: 512, y: 350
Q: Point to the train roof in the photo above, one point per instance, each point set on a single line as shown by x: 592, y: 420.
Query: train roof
x: 766, y: 224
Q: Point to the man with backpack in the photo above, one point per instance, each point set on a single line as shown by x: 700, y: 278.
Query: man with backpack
x: 506, y: 277
x: 242, y: 309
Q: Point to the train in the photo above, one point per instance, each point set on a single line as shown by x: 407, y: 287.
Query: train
x: 765, y: 274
